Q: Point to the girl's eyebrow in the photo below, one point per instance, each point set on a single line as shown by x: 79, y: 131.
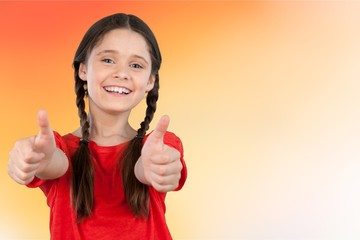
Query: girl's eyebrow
x: 142, y: 58
x: 116, y: 52
x: 106, y: 51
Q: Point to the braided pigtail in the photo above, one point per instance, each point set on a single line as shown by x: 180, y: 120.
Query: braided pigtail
x: 137, y: 193
x: 82, y: 187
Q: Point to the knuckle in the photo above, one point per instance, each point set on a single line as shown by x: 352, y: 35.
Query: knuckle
x: 166, y: 184
x: 176, y: 185
x: 179, y: 166
x: 178, y: 177
x: 24, y: 177
x: 19, y: 181
x: 27, y: 157
x: 26, y: 168
x: 161, y: 188
x: 175, y: 179
x: 21, y: 142
x: 18, y: 144
x: 24, y: 182
x: 160, y: 180
x: 162, y: 171
x: 165, y: 159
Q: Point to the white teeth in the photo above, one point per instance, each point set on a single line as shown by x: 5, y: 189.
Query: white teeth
x: 117, y: 90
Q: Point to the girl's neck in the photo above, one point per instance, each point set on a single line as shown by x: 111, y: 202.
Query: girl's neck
x: 110, y: 129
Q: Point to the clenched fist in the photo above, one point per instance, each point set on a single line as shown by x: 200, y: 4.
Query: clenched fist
x: 31, y: 156
x: 159, y: 164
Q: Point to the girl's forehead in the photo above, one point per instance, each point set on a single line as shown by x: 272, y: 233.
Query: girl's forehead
x: 122, y: 40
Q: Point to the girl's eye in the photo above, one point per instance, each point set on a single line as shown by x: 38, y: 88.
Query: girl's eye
x: 135, y: 65
x: 108, y: 60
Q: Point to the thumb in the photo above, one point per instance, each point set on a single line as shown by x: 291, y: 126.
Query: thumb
x: 161, y: 128
x: 45, y: 132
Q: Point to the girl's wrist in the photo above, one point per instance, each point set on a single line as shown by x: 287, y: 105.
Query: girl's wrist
x: 139, y: 172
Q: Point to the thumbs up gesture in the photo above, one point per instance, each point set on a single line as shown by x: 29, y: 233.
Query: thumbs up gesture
x: 31, y: 155
x: 159, y: 164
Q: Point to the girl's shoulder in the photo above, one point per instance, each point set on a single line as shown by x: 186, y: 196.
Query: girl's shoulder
x: 171, y: 137
x: 67, y: 138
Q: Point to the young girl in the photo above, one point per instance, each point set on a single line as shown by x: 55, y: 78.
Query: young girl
x: 106, y: 180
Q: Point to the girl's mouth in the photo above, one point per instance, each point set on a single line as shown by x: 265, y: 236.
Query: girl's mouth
x: 118, y: 90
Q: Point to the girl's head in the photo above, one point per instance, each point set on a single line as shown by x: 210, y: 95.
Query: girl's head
x: 82, y: 180
x: 117, y: 21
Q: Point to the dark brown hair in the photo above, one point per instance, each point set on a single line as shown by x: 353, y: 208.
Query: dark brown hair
x: 82, y: 186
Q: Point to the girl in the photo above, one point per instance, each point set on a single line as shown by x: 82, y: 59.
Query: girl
x: 106, y: 180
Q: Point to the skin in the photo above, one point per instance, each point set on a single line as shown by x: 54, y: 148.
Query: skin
x: 121, y: 60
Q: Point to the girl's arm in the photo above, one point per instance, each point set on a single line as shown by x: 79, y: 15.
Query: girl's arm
x: 56, y: 166
x: 159, y: 165
x: 37, y: 156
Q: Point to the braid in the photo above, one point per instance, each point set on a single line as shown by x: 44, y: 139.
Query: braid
x: 80, y: 103
x: 137, y: 193
x: 151, y: 100
x: 82, y: 176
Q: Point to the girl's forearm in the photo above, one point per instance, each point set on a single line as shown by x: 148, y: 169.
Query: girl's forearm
x: 56, y: 166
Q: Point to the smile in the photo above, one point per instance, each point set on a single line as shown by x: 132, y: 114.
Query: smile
x: 119, y: 90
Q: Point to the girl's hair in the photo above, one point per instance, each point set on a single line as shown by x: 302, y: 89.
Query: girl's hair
x: 82, y: 186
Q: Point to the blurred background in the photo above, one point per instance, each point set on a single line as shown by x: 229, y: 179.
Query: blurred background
x: 264, y: 95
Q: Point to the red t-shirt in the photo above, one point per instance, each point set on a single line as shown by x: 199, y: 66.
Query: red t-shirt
x: 111, y: 217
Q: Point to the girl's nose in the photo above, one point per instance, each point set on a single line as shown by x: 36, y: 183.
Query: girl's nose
x: 121, y: 73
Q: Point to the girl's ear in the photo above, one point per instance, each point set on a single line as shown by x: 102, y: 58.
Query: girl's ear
x: 82, y: 72
x: 150, y: 83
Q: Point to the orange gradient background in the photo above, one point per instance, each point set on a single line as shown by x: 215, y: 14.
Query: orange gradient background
x: 264, y: 95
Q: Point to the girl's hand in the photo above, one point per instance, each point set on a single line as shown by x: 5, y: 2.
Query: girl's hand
x: 30, y: 156
x: 161, y: 165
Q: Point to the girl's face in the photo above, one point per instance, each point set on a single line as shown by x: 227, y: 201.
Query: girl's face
x: 118, y: 72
